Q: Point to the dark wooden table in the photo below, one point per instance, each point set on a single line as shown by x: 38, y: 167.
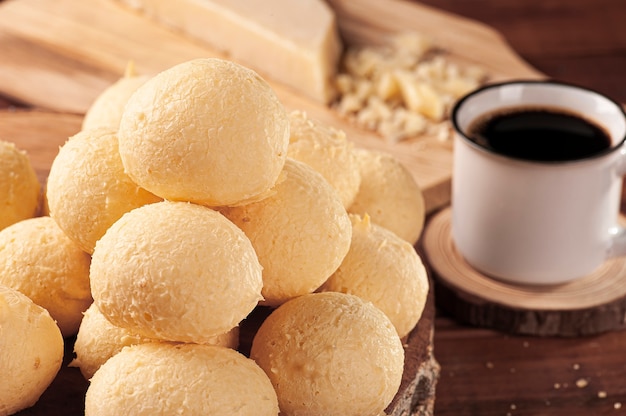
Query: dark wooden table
x: 485, y: 372
x: 580, y: 41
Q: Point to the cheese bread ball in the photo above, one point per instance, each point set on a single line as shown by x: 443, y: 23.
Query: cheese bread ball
x: 31, y: 348
x: 106, y: 110
x: 98, y: 340
x: 330, y: 354
x: 175, y: 271
x: 326, y: 150
x: 39, y: 260
x: 389, y: 194
x: 87, y: 189
x: 185, y: 379
x: 207, y: 131
x: 384, y: 269
x: 19, y: 186
x: 301, y: 233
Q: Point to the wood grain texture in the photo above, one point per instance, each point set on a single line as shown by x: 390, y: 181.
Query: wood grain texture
x: 95, y: 41
x: 488, y: 373
x: 39, y: 133
x: 60, y: 55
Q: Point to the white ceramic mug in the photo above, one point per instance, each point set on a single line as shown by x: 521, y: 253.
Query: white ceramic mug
x: 537, y: 222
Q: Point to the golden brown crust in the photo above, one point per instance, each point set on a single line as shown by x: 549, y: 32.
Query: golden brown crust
x: 32, y: 351
x: 106, y: 110
x: 207, y: 131
x: 19, y: 186
x: 330, y: 354
x: 389, y: 194
x: 301, y: 233
x: 326, y: 150
x: 39, y: 260
x: 98, y: 340
x: 384, y: 269
x: 175, y: 271
x: 190, y: 379
x: 87, y: 188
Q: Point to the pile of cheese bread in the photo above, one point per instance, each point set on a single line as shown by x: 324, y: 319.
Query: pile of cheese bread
x: 187, y: 200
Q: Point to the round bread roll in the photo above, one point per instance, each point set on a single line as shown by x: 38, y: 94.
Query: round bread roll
x: 207, y: 131
x: 389, y: 195
x: 327, y: 151
x: 185, y: 379
x: 330, y: 354
x: 98, y: 340
x: 87, y: 189
x: 384, y: 269
x: 32, y: 351
x: 175, y: 271
x: 106, y: 110
x: 301, y: 233
x: 19, y: 186
x: 39, y: 260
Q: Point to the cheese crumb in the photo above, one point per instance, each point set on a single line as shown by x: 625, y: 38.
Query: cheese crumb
x: 403, y: 89
x: 581, y: 383
x: 602, y: 394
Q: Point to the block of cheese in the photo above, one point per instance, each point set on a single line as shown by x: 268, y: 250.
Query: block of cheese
x: 296, y: 43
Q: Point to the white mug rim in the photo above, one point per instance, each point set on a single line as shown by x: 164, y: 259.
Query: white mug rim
x: 490, y: 86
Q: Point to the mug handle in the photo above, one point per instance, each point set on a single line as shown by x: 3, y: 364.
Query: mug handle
x: 617, y: 245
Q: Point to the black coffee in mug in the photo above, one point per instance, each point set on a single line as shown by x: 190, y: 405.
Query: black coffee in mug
x: 539, y: 134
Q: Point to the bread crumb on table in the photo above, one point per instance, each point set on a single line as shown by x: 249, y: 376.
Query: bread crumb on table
x: 581, y: 383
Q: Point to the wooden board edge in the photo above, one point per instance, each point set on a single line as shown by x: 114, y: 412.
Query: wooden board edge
x: 417, y: 393
x: 509, y: 64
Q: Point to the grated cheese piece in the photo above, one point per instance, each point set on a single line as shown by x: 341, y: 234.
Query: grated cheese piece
x: 403, y: 89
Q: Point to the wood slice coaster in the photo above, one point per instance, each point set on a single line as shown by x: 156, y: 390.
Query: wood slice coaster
x: 592, y: 304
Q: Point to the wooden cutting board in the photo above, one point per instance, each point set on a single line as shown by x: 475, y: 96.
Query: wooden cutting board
x: 59, y: 55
